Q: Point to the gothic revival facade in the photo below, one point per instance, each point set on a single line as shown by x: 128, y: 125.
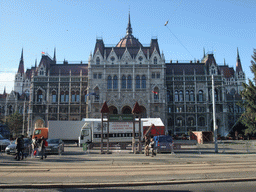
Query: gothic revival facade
x: 129, y: 72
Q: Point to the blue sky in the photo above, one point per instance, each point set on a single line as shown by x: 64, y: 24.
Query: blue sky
x: 72, y: 26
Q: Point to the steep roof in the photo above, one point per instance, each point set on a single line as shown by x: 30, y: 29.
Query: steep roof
x: 65, y: 69
x: 187, y: 68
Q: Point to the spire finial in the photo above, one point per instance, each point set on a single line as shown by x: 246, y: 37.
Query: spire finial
x: 129, y: 28
x: 21, y: 58
x: 238, y: 57
x: 54, y: 55
x: 21, y: 65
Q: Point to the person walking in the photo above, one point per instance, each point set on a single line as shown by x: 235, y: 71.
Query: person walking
x: 152, y: 146
x: 35, y: 147
x: 20, y: 148
x: 147, y: 142
x: 42, y: 146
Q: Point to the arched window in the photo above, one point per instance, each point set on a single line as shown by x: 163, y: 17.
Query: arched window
x: 192, y: 97
x: 109, y: 82
x: 143, y: 84
x: 54, y: 97
x: 190, y: 121
x: 179, y: 121
x: 40, y: 96
x: 155, y: 60
x: 176, y: 96
x: 66, y: 96
x: 156, y: 94
x: 77, y: 96
x: 73, y: 96
x: 123, y: 82
x: 115, y: 82
x: 97, y: 61
x: 137, y: 82
x: 200, y: 95
x: 181, y: 96
x: 168, y: 96
x: 201, y: 121
x: 187, y: 95
x: 97, y: 94
x: 129, y: 82
x: 62, y: 96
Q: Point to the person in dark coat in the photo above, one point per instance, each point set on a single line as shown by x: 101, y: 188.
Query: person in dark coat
x: 20, y: 148
x: 42, y: 146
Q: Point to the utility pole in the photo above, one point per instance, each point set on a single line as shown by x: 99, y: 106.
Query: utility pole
x: 214, y: 116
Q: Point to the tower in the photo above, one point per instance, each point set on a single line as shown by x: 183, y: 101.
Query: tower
x: 19, y: 77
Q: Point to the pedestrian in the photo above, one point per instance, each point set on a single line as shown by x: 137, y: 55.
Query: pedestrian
x: 147, y: 142
x: 20, y: 147
x: 35, y: 147
x: 42, y: 146
x: 152, y: 146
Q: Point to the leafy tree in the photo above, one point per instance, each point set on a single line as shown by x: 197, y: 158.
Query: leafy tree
x: 248, y: 118
x: 15, y: 123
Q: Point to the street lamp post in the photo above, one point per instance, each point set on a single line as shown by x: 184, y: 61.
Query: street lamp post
x: 214, y: 116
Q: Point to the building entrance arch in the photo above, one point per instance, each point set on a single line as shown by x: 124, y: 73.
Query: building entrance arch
x: 126, y: 110
x: 113, y: 110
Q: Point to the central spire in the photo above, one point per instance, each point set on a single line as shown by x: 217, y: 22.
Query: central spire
x: 129, y: 28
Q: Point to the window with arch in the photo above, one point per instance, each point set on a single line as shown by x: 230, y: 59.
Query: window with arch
x: 54, y: 97
x: 137, y: 82
x: 62, y: 96
x: 190, y: 121
x: 66, y: 96
x: 179, y: 121
x: 176, y: 96
x: 201, y: 121
x: 112, y: 60
x: 77, y: 96
x: 187, y: 96
x: 97, y: 94
x: 192, y: 96
x: 109, y: 85
x: 168, y: 96
x: 200, y: 96
x: 155, y: 60
x: 140, y: 59
x: 181, y: 96
x: 129, y: 82
x: 156, y: 94
x: 73, y: 96
x: 115, y: 82
x: 123, y: 82
x: 97, y: 61
x: 143, y: 82
x: 40, y: 96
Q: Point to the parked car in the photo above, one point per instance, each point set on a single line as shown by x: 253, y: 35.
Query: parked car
x: 163, y: 143
x: 4, y: 143
x: 11, y: 149
x: 55, y: 146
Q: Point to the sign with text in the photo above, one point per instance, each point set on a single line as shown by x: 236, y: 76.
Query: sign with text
x: 116, y: 117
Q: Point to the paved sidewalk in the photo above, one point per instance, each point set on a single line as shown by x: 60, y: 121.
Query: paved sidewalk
x: 76, y: 168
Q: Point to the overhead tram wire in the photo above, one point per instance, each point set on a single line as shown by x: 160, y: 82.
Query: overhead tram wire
x: 177, y: 38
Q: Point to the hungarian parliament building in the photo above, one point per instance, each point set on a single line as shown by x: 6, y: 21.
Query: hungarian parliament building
x: 180, y: 93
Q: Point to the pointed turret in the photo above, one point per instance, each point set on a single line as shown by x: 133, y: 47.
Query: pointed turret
x: 36, y: 63
x: 4, y: 90
x: 54, y: 55
x: 21, y: 65
x: 238, y: 62
x: 129, y: 28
